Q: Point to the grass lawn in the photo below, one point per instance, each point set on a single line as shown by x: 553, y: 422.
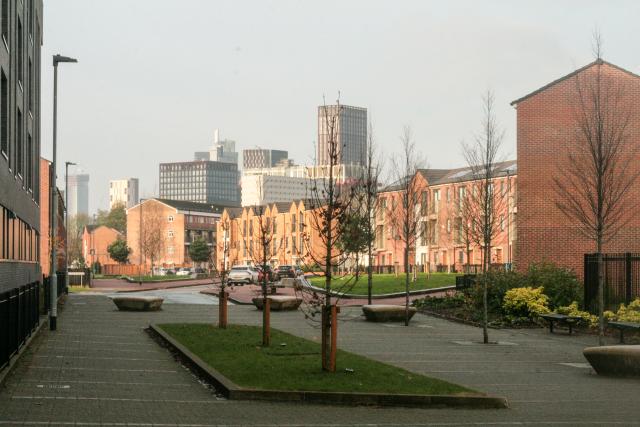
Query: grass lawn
x: 387, y: 283
x: 237, y: 353
x: 76, y: 289
x: 171, y: 278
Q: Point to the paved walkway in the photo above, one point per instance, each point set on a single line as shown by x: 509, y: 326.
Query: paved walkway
x: 107, y: 285
x: 244, y: 295
x: 101, y: 368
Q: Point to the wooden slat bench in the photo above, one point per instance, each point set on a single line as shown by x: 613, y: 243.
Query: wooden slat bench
x: 624, y: 326
x: 561, y: 319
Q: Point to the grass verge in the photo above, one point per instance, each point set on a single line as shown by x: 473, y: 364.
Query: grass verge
x: 388, y: 283
x: 237, y: 354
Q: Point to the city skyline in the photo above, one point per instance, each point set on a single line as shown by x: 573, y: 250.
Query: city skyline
x: 165, y: 114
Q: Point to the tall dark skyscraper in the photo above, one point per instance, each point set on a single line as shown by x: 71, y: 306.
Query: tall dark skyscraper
x: 258, y: 158
x: 351, y: 132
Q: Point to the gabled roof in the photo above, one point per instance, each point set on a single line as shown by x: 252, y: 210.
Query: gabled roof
x: 92, y: 227
x: 509, y: 167
x: 568, y: 76
x: 234, y: 212
x: 282, y: 206
x: 184, y: 205
x: 433, y: 174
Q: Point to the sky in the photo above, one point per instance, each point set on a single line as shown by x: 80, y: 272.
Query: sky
x: 156, y: 77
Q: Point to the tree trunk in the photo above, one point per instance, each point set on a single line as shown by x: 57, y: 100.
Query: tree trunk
x: 600, y: 293
x: 266, y: 322
x: 370, y: 276
x: 485, y: 303
x: 406, y: 286
x: 222, y: 309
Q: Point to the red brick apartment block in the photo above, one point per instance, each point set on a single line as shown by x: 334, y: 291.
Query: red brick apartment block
x: 546, y: 133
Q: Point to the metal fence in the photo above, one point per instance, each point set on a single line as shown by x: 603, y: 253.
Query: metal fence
x: 621, y: 279
x: 46, y: 286
x: 19, y: 316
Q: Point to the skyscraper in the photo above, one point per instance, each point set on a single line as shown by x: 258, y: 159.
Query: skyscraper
x: 257, y: 158
x: 200, y: 181
x: 350, y: 132
x: 78, y: 195
x: 124, y: 192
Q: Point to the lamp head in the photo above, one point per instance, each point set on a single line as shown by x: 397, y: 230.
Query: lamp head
x: 59, y: 58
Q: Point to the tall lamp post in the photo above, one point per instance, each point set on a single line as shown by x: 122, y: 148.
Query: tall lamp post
x: 140, y: 244
x: 53, y: 279
x: 66, y: 225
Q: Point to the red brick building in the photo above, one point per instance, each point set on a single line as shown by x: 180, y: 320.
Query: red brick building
x: 95, y: 244
x: 546, y: 132
x: 45, y: 227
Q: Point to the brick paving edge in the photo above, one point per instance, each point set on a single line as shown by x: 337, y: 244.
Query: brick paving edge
x: 235, y: 392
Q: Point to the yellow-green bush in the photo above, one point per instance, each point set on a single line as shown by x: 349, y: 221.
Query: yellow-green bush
x: 573, y: 310
x: 630, y: 313
x: 524, y: 303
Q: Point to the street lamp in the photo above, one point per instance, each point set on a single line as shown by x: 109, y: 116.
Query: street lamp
x: 140, y: 244
x: 66, y: 225
x: 53, y: 279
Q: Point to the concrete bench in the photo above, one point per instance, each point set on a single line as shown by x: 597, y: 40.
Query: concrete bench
x: 279, y: 302
x: 386, y: 312
x: 616, y: 360
x: 624, y: 326
x: 137, y: 303
x: 561, y: 319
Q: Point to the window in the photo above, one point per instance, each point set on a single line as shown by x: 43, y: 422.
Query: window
x: 5, y: 22
x: 448, y: 226
x: 31, y: 85
x: 20, y: 145
x: 170, y: 233
x: 501, y: 222
x: 20, y: 53
x: 170, y: 250
x: 4, y: 115
x: 170, y: 218
x: 424, y: 197
x: 29, y: 163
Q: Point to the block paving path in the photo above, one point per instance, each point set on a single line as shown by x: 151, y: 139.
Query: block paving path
x: 101, y: 368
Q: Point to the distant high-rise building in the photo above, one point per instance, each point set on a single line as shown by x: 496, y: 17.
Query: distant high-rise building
x: 350, y: 131
x: 78, y: 197
x: 200, y: 181
x: 254, y: 158
x: 222, y: 151
x: 123, y: 192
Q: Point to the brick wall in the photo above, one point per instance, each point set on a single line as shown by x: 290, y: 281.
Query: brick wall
x: 546, y: 128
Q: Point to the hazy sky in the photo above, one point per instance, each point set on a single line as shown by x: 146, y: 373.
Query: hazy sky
x: 155, y: 78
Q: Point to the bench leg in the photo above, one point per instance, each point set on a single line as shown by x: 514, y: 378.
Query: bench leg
x: 621, y: 336
x: 570, y: 328
x: 551, y: 327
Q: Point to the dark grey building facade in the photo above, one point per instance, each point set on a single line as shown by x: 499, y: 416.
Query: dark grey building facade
x: 201, y: 181
x: 20, y: 46
x: 351, y: 133
x: 258, y: 158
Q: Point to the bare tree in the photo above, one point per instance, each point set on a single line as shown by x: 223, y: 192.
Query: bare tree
x: 223, y: 247
x: 264, y: 249
x: 369, y: 187
x: 329, y: 203
x: 482, y: 206
x: 152, y: 232
x: 592, y: 185
x: 404, y: 210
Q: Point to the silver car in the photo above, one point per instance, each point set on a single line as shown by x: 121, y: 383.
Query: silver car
x: 243, y: 274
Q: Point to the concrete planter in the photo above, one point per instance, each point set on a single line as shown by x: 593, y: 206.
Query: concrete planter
x: 279, y: 302
x: 386, y: 313
x: 615, y: 360
x: 137, y: 303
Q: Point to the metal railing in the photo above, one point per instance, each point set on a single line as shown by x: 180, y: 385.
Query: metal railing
x: 19, y: 316
x: 621, y: 280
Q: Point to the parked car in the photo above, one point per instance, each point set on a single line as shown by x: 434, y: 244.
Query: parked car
x: 271, y: 275
x: 199, y: 270
x: 242, y: 274
x: 286, y: 271
x: 183, y: 272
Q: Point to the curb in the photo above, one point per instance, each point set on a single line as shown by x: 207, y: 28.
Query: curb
x: 44, y: 320
x: 124, y: 291
x: 234, y: 392
x: 382, y: 296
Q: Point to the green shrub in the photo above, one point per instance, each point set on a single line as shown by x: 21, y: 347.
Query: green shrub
x: 560, y: 284
x: 447, y: 301
x: 573, y: 310
x: 498, y: 283
x: 522, y: 304
x: 630, y: 313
